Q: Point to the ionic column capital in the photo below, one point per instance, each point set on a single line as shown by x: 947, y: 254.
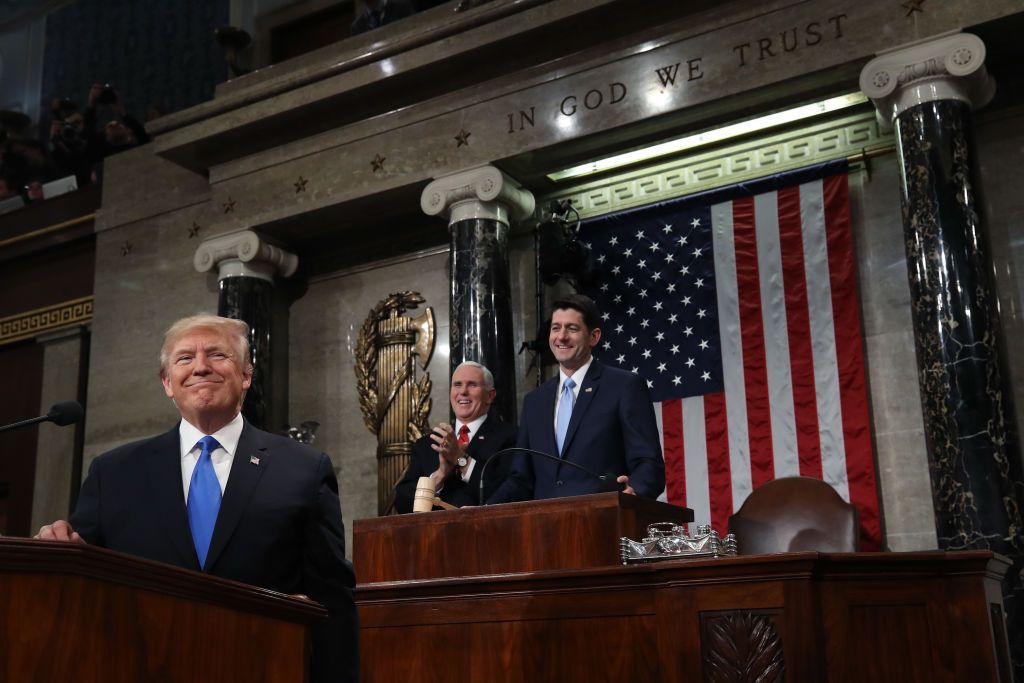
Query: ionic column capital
x: 244, y: 253
x: 483, y: 192
x: 949, y: 67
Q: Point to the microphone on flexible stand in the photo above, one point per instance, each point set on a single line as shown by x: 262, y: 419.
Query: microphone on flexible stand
x: 608, y: 484
x: 61, y: 414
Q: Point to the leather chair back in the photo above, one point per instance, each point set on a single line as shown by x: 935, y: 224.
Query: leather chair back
x: 793, y: 514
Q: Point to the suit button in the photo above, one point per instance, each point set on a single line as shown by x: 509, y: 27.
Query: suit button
x: 558, y: 483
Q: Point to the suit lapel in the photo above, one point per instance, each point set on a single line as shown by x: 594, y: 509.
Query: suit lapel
x: 480, y: 448
x: 251, y: 460
x: 548, y: 396
x: 163, y: 466
x: 588, y: 391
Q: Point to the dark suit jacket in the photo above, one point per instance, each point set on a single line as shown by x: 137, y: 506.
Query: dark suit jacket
x: 279, y: 526
x: 612, y: 431
x: 492, y: 436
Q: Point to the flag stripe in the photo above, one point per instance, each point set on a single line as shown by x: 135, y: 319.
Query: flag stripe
x: 826, y: 370
x: 755, y: 375
x: 776, y: 336
x: 850, y: 355
x: 671, y: 414
x: 697, y: 486
x: 732, y: 352
x: 719, y: 474
x: 801, y: 363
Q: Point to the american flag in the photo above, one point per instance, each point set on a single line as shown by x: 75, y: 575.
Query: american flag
x: 739, y: 308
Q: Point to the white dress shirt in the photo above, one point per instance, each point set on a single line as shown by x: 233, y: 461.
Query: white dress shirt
x: 227, y: 436
x: 474, y: 427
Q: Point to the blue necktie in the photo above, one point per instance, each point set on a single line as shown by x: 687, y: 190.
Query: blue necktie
x: 565, y: 404
x: 203, y: 499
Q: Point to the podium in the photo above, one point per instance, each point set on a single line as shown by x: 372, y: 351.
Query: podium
x: 78, y: 613
x: 561, y: 533
x: 489, y: 594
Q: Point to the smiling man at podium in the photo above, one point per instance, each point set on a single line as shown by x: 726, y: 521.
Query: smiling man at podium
x: 589, y: 422
x: 215, y: 494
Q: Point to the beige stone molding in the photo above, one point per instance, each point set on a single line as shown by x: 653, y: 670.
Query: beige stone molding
x: 482, y: 192
x: 852, y: 136
x: 244, y: 253
x: 47, y: 319
x: 948, y: 67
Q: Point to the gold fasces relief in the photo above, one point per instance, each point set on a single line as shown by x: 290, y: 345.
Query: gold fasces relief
x: 395, y: 404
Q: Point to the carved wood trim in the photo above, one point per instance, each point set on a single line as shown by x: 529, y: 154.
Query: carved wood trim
x: 742, y: 646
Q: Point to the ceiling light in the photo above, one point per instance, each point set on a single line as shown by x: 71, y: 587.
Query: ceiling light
x: 711, y: 136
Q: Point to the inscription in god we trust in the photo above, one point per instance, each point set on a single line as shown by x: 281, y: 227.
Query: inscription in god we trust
x: 676, y: 75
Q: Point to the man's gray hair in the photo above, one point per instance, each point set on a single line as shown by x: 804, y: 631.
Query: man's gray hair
x: 237, y: 332
x: 488, y: 377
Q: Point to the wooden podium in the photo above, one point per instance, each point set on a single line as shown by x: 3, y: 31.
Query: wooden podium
x: 562, y: 533
x: 486, y: 594
x: 77, y: 613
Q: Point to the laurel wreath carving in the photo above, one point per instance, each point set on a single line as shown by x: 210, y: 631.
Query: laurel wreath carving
x: 372, y: 407
x: 418, y: 422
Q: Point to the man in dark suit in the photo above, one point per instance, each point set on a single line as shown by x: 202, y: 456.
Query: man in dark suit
x: 593, y: 415
x: 217, y: 495
x: 454, y: 457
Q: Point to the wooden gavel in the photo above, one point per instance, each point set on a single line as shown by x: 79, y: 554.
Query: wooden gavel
x: 426, y: 498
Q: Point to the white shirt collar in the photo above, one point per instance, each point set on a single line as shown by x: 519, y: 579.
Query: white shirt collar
x: 576, y: 377
x: 474, y: 426
x: 227, y: 436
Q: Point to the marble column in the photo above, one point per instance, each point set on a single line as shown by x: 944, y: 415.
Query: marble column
x: 246, y: 265
x: 480, y: 203
x: 927, y: 90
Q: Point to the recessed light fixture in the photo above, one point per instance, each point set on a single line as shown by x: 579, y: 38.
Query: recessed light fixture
x: 732, y: 130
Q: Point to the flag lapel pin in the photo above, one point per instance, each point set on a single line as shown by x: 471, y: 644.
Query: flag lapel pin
x: 254, y: 460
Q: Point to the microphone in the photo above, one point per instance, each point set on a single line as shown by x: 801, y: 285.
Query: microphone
x: 61, y: 414
x: 603, y: 478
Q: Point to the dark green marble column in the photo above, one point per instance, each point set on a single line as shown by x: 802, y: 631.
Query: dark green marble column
x: 251, y: 299
x: 246, y: 268
x: 973, y: 453
x: 479, y: 203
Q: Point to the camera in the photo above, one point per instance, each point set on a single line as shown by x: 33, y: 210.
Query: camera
x: 68, y: 133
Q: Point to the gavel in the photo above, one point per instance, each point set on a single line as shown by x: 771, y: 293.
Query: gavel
x: 426, y: 498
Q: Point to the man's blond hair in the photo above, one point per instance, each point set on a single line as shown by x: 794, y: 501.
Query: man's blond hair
x: 237, y: 332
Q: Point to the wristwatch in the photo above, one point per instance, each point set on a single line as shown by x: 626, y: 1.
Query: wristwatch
x: 463, y: 460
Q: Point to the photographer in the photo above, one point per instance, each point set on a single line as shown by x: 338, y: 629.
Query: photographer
x: 112, y: 127
x: 72, y: 148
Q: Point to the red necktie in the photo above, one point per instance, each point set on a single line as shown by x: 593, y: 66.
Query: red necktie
x: 463, y: 435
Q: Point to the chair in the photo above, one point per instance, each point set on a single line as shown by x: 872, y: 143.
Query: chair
x: 792, y: 514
